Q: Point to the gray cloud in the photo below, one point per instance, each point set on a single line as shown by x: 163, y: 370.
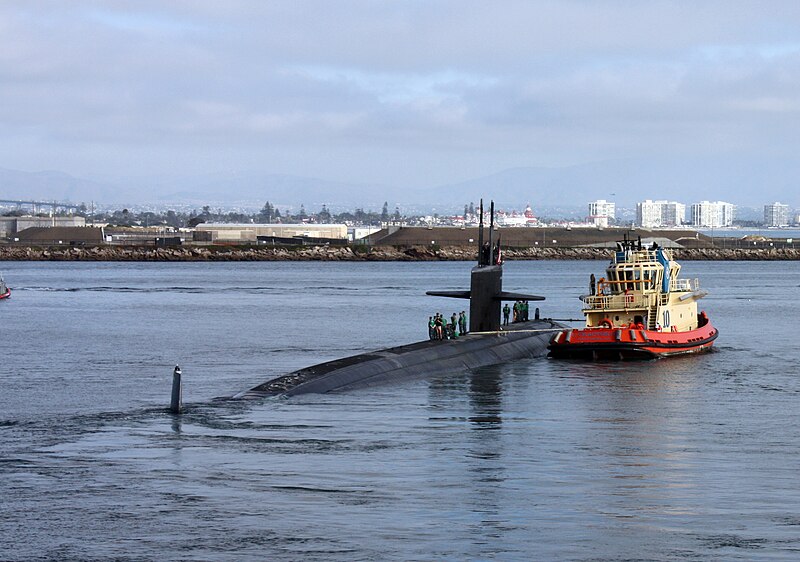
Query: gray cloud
x: 404, y: 94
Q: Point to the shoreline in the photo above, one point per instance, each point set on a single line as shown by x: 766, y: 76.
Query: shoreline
x: 359, y: 253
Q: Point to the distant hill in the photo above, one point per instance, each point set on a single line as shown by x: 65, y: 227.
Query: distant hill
x: 747, y: 181
x: 50, y: 186
x: 249, y: 189
x: 627, y: 182
x: 282, y: 190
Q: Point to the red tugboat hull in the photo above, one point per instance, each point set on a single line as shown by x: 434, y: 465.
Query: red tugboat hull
x: 6, y: 294
x: 629, y: 343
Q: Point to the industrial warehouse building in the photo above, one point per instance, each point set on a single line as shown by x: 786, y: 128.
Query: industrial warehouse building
x: 60, y: 235
x: 250, y: 233
x: 11, y: 225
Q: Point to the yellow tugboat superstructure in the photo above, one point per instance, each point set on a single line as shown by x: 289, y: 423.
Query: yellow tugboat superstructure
x: 642, y: 286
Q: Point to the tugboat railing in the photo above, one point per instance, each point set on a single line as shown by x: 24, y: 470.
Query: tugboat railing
x: 617, y: 302
x: 621, y: 301
x: 684, y: 285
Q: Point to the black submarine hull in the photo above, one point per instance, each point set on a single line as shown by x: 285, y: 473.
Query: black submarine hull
x: 417, y: 360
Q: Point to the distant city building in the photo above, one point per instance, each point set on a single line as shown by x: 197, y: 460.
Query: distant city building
x: 601, y: 212
x: 358, y: 232
x: 776, y: 214
x: 673, y: 213
x: 513, y: 218
x: 648, y: 214
x: 656, y: 214
x: 717, y: 214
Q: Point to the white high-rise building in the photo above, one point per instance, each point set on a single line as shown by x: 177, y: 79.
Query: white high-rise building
x: 717, y: 214
x: 648, y: 214
x: 776, y: 214
x: 601, y: 211
x: 673, y: 213
x: 655, y: 214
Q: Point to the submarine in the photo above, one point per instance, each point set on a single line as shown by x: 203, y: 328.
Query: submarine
x: 486, y: 343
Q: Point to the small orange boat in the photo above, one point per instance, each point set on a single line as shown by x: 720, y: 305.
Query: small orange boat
x: 640, y: 310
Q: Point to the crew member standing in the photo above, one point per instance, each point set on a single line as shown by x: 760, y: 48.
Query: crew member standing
x: 506, y: 312
x: 591, y: 284
x: 453, y: 326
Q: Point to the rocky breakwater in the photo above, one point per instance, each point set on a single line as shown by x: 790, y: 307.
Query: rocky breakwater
x: 220, y: 253
x: 355, y: 253
x: 739, y: 254
x: 683, y: 254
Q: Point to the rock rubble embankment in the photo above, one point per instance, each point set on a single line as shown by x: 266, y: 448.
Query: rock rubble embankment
x: 378, y: 253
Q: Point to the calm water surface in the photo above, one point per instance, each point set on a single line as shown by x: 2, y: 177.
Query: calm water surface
x: 686, y: 459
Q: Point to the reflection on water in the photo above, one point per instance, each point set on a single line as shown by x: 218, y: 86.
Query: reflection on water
x: 486, y: 398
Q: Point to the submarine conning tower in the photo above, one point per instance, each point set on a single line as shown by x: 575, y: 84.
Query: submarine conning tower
x: 486, y: 283
x: 484, y: 310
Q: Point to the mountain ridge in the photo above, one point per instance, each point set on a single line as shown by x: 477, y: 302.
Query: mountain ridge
x: 624, y: 182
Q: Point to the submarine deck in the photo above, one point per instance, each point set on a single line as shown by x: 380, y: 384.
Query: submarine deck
x: 419, y: 359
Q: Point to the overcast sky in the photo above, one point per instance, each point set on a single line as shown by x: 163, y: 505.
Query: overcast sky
x: 410, y: 93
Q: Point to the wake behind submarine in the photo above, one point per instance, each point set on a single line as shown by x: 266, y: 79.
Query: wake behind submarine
x: 485, y: 344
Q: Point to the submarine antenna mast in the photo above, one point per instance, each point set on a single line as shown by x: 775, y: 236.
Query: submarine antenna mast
x: 480, y: 236
x: 491, y: 234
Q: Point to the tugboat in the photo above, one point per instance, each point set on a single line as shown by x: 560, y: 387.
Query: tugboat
x: 5, y: 292
x: 640, y: 310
